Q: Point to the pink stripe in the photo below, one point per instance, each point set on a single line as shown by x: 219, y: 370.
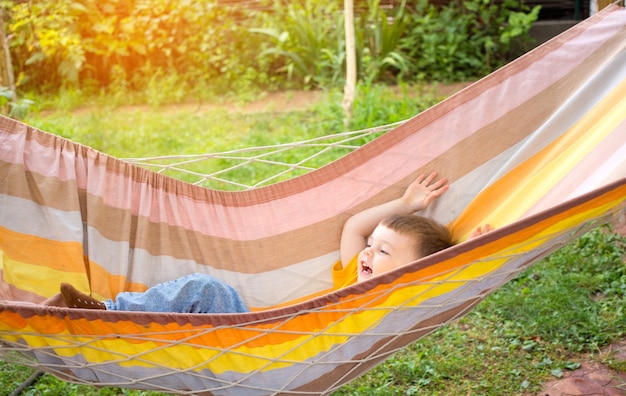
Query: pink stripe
x: 62, y: 161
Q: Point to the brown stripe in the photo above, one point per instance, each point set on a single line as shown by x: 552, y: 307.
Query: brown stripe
x: 45, y: 191
x: 9, y: 292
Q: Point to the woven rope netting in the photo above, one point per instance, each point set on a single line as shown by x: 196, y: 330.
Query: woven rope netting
x: 253, y: 167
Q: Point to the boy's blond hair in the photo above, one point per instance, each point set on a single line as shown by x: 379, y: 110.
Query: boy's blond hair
x: 430, y: 236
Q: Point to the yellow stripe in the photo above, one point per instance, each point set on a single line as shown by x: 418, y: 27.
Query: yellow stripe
x: 37, y: 279
x: 510, y: 197
x: 33, y: 264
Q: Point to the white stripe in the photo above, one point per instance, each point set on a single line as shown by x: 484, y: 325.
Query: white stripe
x: 257, y: 290
x: 27, y: 217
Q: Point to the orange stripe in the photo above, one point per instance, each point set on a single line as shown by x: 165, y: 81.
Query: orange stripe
x: 30, y: 249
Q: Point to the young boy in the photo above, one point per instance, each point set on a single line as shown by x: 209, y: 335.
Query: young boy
x: 374, y: 241
x: 387, y: 236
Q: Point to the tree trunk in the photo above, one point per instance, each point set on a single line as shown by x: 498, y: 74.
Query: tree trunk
x: 350, y: 87
x: 6, y: 67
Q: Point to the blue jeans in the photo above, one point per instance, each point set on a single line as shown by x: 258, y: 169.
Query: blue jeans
x: 194, y: 293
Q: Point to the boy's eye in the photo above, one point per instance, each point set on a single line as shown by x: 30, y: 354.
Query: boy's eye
x: 383, y: 251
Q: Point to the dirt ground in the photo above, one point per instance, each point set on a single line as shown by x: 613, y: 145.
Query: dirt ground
x: 592, y: 378
x: 275, y: 102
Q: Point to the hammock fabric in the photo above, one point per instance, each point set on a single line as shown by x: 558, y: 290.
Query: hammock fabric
x: 537, y: 149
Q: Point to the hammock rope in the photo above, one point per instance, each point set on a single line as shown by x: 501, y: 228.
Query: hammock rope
x: 327, y: 148
x: 542, y: 162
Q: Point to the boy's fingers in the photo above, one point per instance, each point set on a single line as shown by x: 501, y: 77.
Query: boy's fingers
x: 440, y: 183
x: 419, y: 179
x: 430, y: 178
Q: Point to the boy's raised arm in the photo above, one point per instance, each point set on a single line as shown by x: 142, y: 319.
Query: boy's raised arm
x: 418, y: 196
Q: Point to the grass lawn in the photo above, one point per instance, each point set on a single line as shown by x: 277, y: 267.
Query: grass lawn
x: 560, y: 312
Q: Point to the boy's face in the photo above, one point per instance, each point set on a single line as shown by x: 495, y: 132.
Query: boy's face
x: 386, y: 250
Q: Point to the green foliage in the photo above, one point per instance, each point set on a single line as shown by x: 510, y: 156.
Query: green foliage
x: 174, y: 49
x: 578, y: 301
x: 452, y: 43
x: 378, y: 43
x: 11, y: 376
x: 78, y: 41
x: 14, y: 108
x: 374, y: 106
x: 467, y: 40
x: 304, y: 41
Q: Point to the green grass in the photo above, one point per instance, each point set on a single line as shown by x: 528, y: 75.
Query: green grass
x: 127, y: 131
x: 131, y: 131
x: 561, y: 311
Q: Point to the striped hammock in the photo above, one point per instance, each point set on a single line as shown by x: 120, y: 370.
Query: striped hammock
x: 537, y: 149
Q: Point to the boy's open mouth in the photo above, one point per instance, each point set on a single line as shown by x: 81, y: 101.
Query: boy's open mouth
x: 366, y: 269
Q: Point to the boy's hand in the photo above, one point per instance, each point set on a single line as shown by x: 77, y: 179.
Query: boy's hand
x: 423, y: 191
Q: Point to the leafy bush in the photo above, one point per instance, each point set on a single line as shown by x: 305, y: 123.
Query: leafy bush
x: 466, y: 40
x: 306, y: 41
x: 378, y: 43
x: 171, y: 49
x: 459, y: 41
x: 85, y: 41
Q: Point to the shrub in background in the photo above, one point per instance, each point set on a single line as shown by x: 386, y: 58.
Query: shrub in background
x: 173, y: 48
x: 379, y: 33
x: 94, y: 42
x: 305, y: 42
x: 466, y: 40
